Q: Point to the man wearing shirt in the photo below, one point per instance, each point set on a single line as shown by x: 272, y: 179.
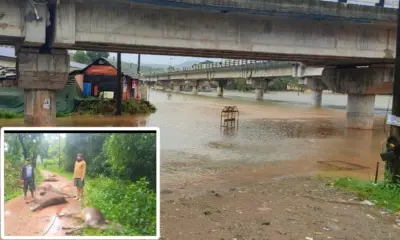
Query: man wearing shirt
x: 79, y: 176
x: 28, y: 179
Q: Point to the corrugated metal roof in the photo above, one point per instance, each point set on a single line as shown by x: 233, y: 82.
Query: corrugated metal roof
x: 73, y: 64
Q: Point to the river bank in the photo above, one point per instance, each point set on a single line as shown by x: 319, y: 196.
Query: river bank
x: 288, y: 208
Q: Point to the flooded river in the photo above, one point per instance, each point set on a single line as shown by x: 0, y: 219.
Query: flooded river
x: 273, y: 140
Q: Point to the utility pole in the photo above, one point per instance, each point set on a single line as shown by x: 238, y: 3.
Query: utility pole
x: 59, y: 150
x: 118, y: 92
x: 395, y: 130
x: 138, y: 65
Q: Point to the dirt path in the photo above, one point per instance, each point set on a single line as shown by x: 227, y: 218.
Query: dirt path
x: 291, y: 208
x: 20, y: 221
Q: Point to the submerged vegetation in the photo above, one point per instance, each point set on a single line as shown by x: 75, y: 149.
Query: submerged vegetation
x: 97, y: 107
x: 107, y: 107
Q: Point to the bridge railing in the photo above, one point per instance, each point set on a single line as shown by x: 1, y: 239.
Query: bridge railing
x: 385, y: 3
x: 225, y: 64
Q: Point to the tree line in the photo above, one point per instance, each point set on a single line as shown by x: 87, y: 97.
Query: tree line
x: 127, y: 156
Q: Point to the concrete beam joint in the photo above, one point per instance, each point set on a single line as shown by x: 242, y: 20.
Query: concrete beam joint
x: 42, y: 71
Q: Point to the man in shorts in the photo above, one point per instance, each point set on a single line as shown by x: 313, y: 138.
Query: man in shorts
x: 79, y: 176
x: 28, y: 179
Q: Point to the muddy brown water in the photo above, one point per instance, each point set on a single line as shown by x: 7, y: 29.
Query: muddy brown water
x: 273, y: 140
x: 191, y: 136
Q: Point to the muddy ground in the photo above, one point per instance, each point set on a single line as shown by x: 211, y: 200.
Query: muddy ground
x: 281, y: 208
x: 20, y: 221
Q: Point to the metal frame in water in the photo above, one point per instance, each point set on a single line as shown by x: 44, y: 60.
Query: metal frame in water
x: 230, y: 117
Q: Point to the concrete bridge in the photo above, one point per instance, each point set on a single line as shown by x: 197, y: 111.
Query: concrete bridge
x: 335, y: 35
x: 261, y: 74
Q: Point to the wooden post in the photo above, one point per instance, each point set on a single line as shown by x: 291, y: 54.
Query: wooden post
x: 118, y: 101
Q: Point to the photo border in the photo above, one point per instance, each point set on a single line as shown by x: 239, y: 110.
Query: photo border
x: 83, y: 129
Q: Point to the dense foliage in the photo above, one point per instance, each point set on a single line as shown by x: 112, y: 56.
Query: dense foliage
x: 121, y: 172
x: 107, y: 107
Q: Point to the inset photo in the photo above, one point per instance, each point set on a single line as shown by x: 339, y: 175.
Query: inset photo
x: 80, y: 183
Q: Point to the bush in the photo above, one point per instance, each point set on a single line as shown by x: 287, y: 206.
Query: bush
x: 132, y: 205
x: 107, y: 107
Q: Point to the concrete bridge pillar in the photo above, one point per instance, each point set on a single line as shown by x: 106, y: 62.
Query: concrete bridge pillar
x: 40, y: 75
x: 259, y: 87
x: 317, y: 86
x: 195, y: 87
x: 176, y: 86
x: 360, y: 111
x: 220, y: 88
x: 361, y: 85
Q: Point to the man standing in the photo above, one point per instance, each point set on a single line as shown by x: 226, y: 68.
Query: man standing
x: 79, y: 176
x: 28, y: 179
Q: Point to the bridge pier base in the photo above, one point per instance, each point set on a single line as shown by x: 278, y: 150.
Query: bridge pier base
x: 176, y: 88
x: 360, y: 111
x: 317, y: 87
x: 195, y: 88
x: 361, y: 85
x: 40, y: 75
x: 259, y: 93
x: 259, y: 86
x: 220, y: 88
x: 220, y: 92
x: 316, y: 98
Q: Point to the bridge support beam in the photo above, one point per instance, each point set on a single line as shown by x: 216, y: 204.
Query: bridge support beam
x: 259, y: 87
x: 176, y: 86
x: 360, y: 111
x: 195, y: 87
x: 40, y: 75
x: 220, y: 89
x: 317, y: 86
x: 361, y: 85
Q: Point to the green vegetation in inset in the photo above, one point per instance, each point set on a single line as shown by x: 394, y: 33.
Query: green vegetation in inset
x: 384, y: 194
x: 120, y: 173
x: 107, y: 107
x: 133, y: 205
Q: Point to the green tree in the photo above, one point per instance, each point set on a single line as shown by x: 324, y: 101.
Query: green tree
x: 132, y: 156
x: 32, y: 145
x: 14, y: 148
x: 81, y: 57
x: 96, y: 55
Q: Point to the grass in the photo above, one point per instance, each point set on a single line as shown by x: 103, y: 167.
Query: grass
x: 12, y: 115
x: 383, y: 194
x: 132, y: 205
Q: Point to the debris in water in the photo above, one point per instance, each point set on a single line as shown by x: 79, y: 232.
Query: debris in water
x: 309, y: 238
x: 366, y: 202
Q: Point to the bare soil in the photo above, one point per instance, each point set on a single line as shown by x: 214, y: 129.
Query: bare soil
x: 20, y: 221
x: 282, y: 208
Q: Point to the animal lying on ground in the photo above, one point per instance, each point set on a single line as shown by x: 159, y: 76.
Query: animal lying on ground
x: 47, y: 187
x: 49, y: 196
x: 48, y: 199
x: 50, y: 179
x: 92, y: 218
